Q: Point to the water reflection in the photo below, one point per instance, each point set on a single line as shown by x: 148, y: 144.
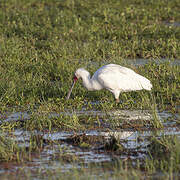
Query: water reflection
x: 135, y: 142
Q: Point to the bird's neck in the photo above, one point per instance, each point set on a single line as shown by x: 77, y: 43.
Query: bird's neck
x: 87, y: 82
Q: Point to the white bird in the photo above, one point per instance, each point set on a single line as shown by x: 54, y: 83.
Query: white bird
x: 112, y: 77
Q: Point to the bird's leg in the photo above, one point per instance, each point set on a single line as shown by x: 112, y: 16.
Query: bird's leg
x: 116, y: 95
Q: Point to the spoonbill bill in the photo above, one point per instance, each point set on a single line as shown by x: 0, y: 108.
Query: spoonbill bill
x: 112, y: 77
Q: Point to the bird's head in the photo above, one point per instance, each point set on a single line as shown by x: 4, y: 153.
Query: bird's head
x: 81, y: 72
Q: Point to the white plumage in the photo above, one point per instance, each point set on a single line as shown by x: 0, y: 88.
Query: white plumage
x: 114, y: 78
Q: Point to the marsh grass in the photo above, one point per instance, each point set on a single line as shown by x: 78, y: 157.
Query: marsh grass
x: 164, y: 155
x: 11, y: 151
x: 42, y: 43
x: 7, y: 148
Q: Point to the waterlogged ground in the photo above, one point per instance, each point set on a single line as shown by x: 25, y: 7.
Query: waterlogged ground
x: 62, y: 151
x: 43, y: 136
x: 92, y: 136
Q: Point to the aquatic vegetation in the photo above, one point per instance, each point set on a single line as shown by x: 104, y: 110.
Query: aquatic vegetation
x: 164, y: 155
x: 42, y: 44
x: 12, y: 151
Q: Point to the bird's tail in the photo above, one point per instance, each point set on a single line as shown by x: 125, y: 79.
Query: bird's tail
x: 146, y: 84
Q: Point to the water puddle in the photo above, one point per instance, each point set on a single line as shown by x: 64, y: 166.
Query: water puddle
x: 64, y: 150
x: 13, y: 117
x: 131, y: 62
x: 175, y: 24
x: 141, y: 62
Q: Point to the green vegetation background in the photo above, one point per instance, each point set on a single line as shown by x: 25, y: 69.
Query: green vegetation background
x: 43, y: 42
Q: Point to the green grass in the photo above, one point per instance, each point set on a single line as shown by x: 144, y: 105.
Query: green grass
x: 42, y: 43
x: 164, y: 155
x: 11, y: 151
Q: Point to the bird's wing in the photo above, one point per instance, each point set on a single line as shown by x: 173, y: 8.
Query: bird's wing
x: 120, y: 78
x: 111, y: 77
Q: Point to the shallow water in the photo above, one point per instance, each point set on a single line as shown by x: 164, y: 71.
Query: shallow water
x: 129, y: 138
x: 140, y: 62
x: 175, y: 24
x: 131, y: 62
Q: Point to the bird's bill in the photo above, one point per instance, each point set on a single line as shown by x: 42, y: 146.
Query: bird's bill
x: 70, y: 91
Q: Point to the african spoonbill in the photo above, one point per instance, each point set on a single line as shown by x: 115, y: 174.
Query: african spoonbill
x: 112, y: 77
